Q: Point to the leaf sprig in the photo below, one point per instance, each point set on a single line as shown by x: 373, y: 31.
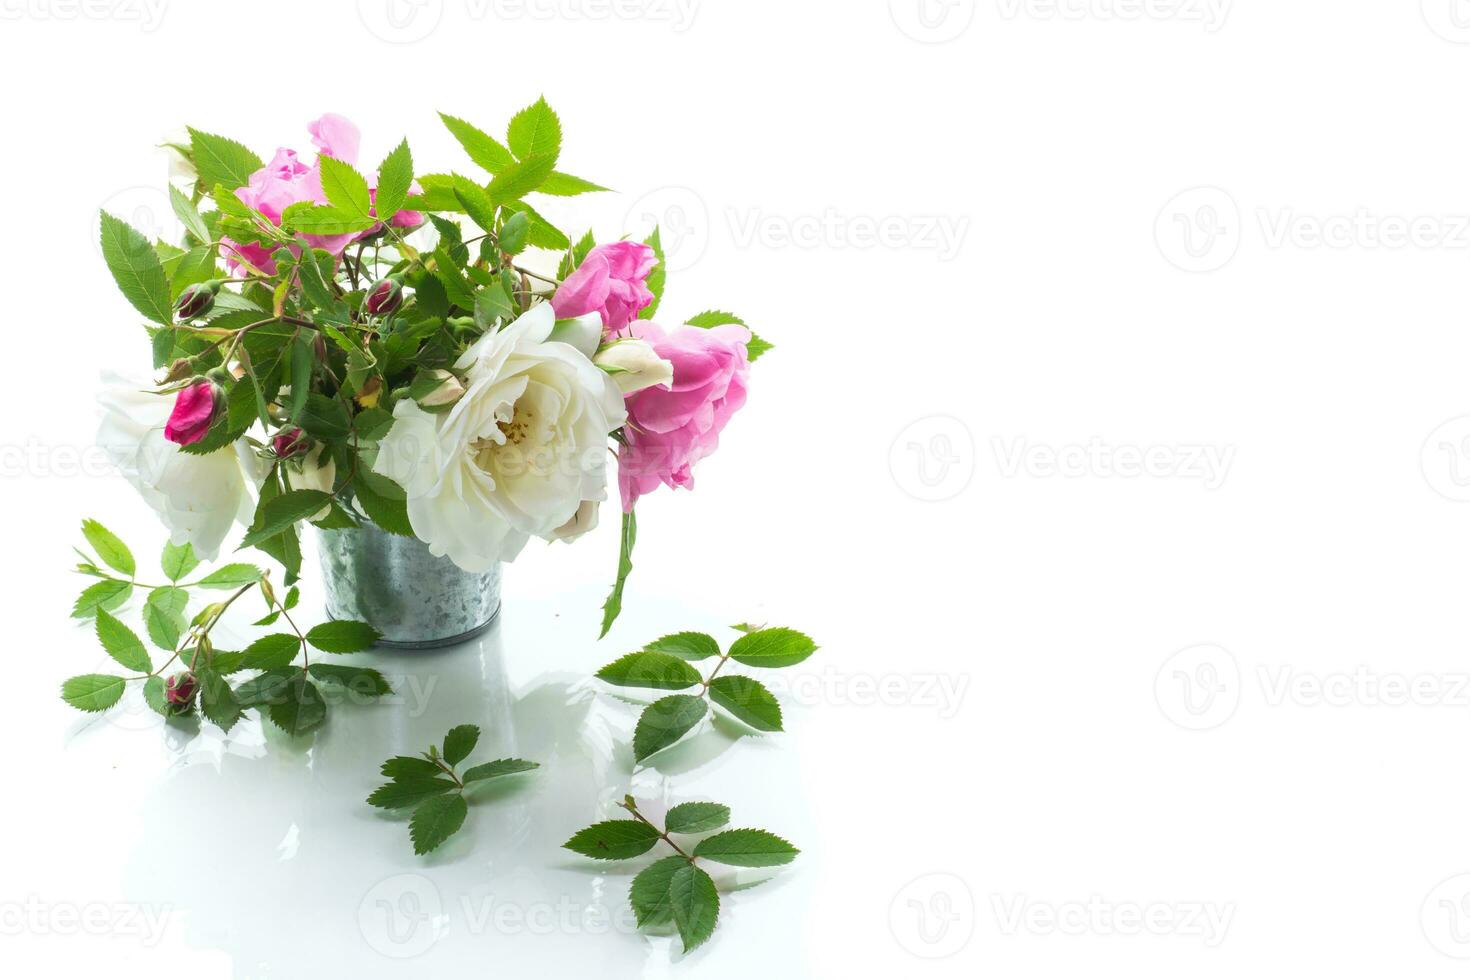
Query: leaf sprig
x: 668, y: 664
x: 431, y: 785
x: 676, y: 890
x: 284, y: 691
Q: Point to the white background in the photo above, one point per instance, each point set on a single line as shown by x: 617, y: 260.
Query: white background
x: 1087, y: 703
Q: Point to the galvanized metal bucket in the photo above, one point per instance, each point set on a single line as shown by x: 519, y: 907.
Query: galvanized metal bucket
x: 416, y: 600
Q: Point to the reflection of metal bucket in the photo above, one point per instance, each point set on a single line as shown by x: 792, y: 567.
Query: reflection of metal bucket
x: 414, y: 599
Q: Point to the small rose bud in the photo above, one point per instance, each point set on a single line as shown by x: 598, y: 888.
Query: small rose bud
x: 193, y: 413
x: 385, y: 296
x: 290, y: 442
x: 196, y: 300
x: 180, y: 690
x: 634, y: 365
x: 436, y: 389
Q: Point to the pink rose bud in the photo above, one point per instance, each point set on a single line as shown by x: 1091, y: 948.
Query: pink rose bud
x: 196, y: 300
x: 612, y: 280
x: 290, y: 442
x: 180, y: 691
x: 193, y: 412
x: 384, y: 297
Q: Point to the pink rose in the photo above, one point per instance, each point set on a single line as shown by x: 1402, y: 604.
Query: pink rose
x: 192, y: 414
x: 612, y: 281
x: 286, y: 181
x: 671, y: 427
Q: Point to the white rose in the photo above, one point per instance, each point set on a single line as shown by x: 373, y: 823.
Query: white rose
x: 634, y: 365
x: 519, y: 454
x: 197, y: 497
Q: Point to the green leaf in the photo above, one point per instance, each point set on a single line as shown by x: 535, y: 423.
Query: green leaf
x: 217, y: 701
x: 388, y: 513
x: 195, y: 266
x: 748, y: 700
x: 657, y: 277
x: 302, y: 708
x: 272, y: 652
x: 746, y: 849
x: 163, y: 615
x: 122, y: 644
x: 500, y: 767
x: 665, y: 722
x: 713, y: 318
x: 690, y: 646
x: 475, y: 202
x: 543, y: 233
x: 649, y: 894
x: 188, y: 215
x: 395, y: 176
x: 342, y: 636
x: 483, y: 149
x: 100, y: 595
x: 565, y: 185
x: 613, y: 840
x: 696, y: 818
x: 695, y: 904
x: 654, y: 670
x: 409, y: 790
x: 401, y: 766
x: 272, y: 687
x: 535, y: 131
x: 459, y: 743
x: 325, y: 418
x: 346, y: 189
x: 755, y: 347
x: 778, y: 647
x: 435, y: 821
x: 513, y: 233
x: 109, y: 547
x: 154, y: 695
x: 231, y: 576
x: 222, y: 161
x: 520, y: 179
x: 315, y: 219
x: 303, y: 362
x: 361, y: 681
x: 92, y: 692
x: 178, y: 560
x: 614, y: 604
x: 283, y: 512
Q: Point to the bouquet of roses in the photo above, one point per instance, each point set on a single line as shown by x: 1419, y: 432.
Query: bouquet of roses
x: 423, y: 351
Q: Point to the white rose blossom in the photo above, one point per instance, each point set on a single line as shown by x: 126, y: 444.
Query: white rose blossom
x: 198, y: 497
x: 523, y: 452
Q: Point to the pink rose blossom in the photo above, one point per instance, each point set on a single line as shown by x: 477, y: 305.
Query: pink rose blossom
x: 612, y: 281
x: 286, y: 181
x: 671, y: 427
x: 192, y: 414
